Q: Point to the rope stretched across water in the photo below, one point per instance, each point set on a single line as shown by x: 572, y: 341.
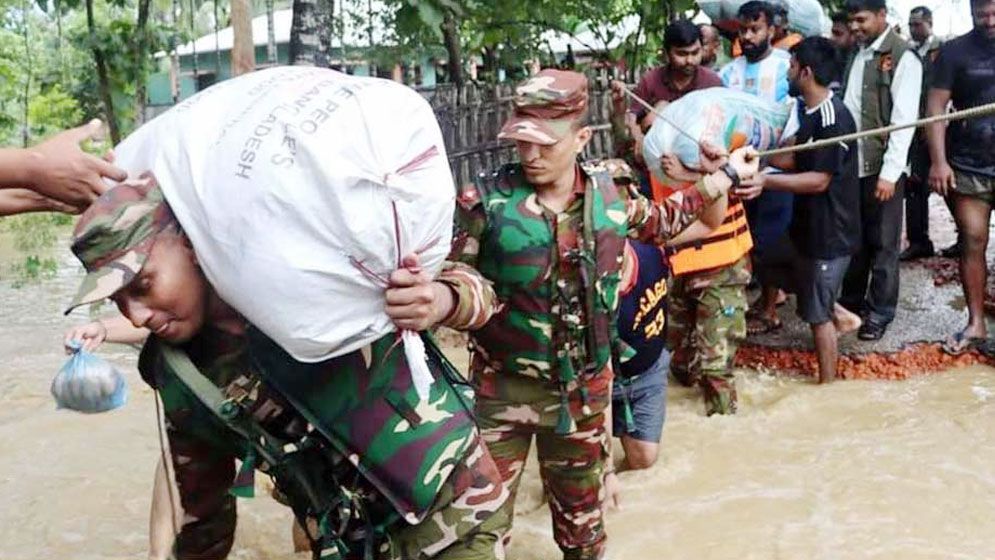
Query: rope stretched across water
x: 979, y: 111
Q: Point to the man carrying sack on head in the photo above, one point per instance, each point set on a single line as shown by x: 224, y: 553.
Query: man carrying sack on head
x: 547, y: 234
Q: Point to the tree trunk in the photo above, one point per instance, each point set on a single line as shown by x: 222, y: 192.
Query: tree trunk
x: 174, y: 55
x: 243, y: 53
x: 217, y: 44
x: 26, y: 130
x: 193, y: 45
x: 141, y: 56
x: 369, y: 33
x: 304, y: 33
x: 454, y: 64
x: 271, y: 54
x: 103, y: 79
x: 326, y: 26
x: 58, y: 42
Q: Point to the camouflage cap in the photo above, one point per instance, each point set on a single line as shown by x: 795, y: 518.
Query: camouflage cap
x: 546, y: 107
x: 114, y: 236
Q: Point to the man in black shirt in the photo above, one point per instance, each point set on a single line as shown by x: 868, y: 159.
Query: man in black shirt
x: 963, y: 160
x: 825, y: 229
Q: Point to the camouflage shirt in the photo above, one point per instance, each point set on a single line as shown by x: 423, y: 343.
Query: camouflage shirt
x: 498, y: 220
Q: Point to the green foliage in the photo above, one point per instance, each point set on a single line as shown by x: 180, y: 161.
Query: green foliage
x: 50, y: 111
x: 34, y: 235
x: 508, y: 33
x: 33, y: 269
x: 35, y: 232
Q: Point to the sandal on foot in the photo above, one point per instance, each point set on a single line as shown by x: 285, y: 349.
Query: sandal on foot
x: 960, y: 343
x: 762, y: 325
x: 986, y: 348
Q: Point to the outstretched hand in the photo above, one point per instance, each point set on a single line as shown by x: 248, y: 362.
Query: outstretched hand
x: 59, y: 169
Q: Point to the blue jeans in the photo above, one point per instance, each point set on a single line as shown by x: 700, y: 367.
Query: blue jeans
x: 645, y: 396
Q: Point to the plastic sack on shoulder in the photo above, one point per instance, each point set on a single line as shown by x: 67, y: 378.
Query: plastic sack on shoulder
x: 87, y: 383
x: 301, y: 189
x: 724, y: 117
x: 807, y: 17
x: 804, y: 16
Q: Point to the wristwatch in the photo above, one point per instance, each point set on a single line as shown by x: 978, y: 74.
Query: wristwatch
x: 730, y: 172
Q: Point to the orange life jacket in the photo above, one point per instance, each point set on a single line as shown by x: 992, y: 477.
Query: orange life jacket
x: 729, y: 242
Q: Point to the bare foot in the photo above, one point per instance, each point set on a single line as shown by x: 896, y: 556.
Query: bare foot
x: 845, y: 321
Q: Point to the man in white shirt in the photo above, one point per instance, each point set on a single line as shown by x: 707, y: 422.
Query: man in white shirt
x: 883, y: 85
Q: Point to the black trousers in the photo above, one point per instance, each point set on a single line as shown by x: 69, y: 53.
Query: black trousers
x: 917, y: 212
x: 870, y: 287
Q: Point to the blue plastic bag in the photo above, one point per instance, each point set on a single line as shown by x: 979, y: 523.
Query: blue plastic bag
x: 88, y: 384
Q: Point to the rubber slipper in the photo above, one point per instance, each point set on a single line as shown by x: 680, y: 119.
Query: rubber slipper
x: 755, y: 313
x: 986, y: 348
x: 762, y: 325
x: 960, y: 343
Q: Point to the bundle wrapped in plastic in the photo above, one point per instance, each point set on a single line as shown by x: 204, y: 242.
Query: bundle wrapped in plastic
x: 88, y: 384
x: 301, y: 189
x: 804, y: 16
x: 723, y: 117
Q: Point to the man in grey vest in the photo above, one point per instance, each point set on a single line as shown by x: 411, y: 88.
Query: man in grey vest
x: 882, y: 86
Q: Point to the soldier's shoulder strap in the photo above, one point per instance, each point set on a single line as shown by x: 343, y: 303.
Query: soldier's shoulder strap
x: 210, y: 395
x: 486, y: 185
x: 607, y: 175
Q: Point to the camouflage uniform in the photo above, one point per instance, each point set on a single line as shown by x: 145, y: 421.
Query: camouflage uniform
x: 394, y: 476
x: 541, y: 358
x: 707, y: 321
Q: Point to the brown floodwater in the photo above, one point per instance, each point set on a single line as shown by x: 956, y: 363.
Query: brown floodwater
x: 861, y: 469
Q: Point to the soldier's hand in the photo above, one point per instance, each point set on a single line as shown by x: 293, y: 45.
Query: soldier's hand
x: 613, y: 492
x: 675, y: 169
x: 59, y: 169
x: 414, y: 301
x: 90, y: 336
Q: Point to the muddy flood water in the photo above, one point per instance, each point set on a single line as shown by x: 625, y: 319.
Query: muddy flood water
x: 884, y: 470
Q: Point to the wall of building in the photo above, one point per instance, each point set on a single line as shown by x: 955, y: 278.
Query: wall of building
x: 160, y: 91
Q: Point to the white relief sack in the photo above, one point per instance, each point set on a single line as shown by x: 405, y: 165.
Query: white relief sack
x: 301, y: 189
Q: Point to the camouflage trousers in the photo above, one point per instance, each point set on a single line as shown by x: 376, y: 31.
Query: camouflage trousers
x: 466, y: 523
x: 571, y: 465
x: 705, y: 327
x: 204, y: 474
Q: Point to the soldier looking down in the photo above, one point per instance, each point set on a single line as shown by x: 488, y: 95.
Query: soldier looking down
x: 371, y: 469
